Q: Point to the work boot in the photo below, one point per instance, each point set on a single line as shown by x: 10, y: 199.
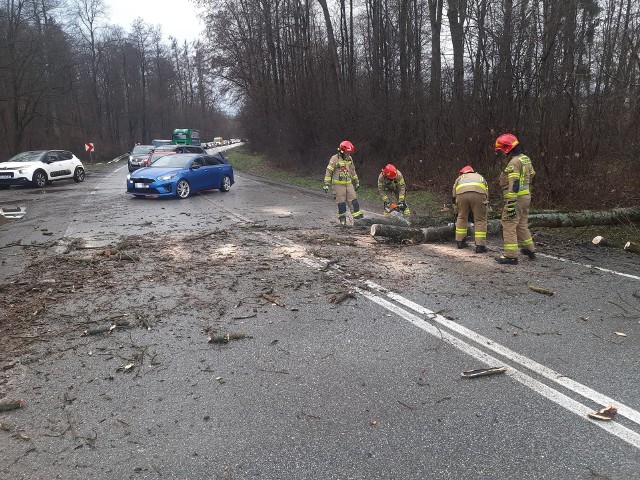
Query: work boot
x: 343, y: 221
x: 529, y: 253
x: 481, y: 249
x: 462, y: 244
x: 506, y: 260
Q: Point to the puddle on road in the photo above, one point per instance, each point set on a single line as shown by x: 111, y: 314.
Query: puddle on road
x: 13, y: 213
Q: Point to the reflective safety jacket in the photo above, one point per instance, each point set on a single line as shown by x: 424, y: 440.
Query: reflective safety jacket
x: 470, y: 182
x: 396, y: 185
x: 341, y: 171
x: 516, y: 178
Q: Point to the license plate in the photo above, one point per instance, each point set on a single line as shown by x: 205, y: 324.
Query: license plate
x: 5, y: 176
x: 141, y: 185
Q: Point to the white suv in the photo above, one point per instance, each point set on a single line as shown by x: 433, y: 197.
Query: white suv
x: 40, y: 167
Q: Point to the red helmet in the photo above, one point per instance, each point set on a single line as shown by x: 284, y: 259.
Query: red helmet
x: 467, y: 169
x: 506, y: 142
x: 390, y: 171
x: 347, y: 147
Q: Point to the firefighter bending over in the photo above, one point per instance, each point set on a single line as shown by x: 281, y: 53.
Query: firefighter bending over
x: 471, y: 194
x: 515, y: 181
x: 341, y: 174
x: 392, y: 189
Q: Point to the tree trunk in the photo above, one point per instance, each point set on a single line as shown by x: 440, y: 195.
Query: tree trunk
x: 621, y: 216
x: 550, y: 220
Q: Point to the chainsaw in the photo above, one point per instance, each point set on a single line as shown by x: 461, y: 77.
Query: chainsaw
x: 392, y: 211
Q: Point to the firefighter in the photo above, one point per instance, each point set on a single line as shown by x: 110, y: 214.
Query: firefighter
x: 471, y: 195
x: 515, y: 181
x: 341, y: 174
x: 391, y: 182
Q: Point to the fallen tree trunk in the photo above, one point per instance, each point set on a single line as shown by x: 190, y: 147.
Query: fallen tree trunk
x: 583, y: 218
x: 616, y: 216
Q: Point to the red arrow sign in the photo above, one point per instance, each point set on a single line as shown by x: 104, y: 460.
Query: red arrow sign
x: 88, y: 147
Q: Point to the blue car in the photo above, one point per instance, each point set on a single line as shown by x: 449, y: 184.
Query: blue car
x: 180, y: 174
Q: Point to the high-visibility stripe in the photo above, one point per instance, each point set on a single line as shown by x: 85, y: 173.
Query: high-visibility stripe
x: 472, y: 184
x: 342, y: 182
x: 523, y: 192
x: 510, y: 195
x: 510, y: 247
x: 527, y: 242
x: 481, y: 234
x: 461, y: 231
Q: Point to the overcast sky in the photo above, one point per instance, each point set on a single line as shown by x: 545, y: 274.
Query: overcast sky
x: 178, y: 18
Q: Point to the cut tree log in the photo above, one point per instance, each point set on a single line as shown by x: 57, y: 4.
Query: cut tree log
x: 602, y: 242
x: 632, y: 247
x: 426, y: 235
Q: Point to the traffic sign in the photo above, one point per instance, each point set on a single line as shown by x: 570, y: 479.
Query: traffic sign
x: 88, y: 147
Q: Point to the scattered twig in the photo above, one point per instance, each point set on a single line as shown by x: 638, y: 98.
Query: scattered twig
x: 544, y: 291
x: 341, y: 297
x: 227, y: 337
x: 272, y: 299
x: 98, y: 330
x: 7, y: 405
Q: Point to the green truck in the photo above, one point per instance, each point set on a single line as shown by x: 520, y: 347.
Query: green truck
x: 185, y: 136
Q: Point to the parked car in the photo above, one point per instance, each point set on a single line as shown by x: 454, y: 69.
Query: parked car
x: 138, y: 155
x: 40, y: 167
x: 180, y: 175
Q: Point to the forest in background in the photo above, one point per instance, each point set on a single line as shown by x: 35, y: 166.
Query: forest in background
x: 424, y: 84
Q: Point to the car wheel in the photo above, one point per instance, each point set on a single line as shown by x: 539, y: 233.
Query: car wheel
x: 183, y: 189
x: 39, y: 179
x: 226, y: 184
x: 78, y: 175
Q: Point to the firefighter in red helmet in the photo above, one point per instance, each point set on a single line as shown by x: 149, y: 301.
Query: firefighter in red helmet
x: 471, y: 194
x: 392, y: 188
x: 515, y: 181
x: 341, y: 174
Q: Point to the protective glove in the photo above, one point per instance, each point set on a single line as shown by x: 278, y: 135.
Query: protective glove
x: 387, y: 206
x: 357, y: 186
x: 402, y: 205
x: 326, y: 188
x: 511, y: 209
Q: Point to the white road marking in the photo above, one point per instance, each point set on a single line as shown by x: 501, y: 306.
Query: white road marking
x: 515, y: 357
x: 627, y: 275
x: 555, y: 396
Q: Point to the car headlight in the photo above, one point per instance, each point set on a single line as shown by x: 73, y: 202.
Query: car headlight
x: 164, y: 178
x: 129, y: 177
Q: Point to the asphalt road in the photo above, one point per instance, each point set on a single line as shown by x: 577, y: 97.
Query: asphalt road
x: 366, y: 388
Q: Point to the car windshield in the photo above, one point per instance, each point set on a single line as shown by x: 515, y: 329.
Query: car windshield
x: 156, y: 155
x: 172, y: 161
x: 34, y: 156
x: 141, y: 149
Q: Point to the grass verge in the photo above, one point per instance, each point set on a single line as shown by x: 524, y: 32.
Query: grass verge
x: 244, y: 160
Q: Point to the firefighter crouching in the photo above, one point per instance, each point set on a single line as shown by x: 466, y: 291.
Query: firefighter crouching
x: 392, y: 189
x: 471, y: 194
x: 341, y: 174
x: 515, y: 181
